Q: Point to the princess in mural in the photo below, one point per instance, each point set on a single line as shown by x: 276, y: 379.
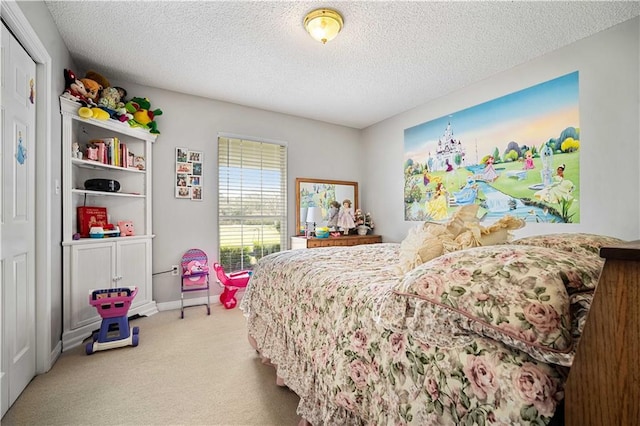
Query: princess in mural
x: 437, y: 205
x: 489, y: 173
x: 559, y: 190
x: 528, y: 162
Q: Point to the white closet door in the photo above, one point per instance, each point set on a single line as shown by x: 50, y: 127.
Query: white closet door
x: 17, y: 221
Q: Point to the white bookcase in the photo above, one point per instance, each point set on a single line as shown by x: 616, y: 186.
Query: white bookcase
x: 96, y: 263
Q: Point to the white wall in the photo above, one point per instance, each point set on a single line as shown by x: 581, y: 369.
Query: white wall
x: 609, y: 89
x: 315, y: 150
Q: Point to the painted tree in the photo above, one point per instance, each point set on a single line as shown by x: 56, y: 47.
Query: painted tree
x: 496, y: 156
x: 570, y: 145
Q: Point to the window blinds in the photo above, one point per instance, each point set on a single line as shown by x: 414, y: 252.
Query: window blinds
x: 252, y: 200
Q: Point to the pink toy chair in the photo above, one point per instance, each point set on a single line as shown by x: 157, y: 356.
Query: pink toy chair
x: 195, y: 277
x: 231, y: 283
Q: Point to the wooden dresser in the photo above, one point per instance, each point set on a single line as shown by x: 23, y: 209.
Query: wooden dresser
x: 603, y: 387
x: 345, y: 240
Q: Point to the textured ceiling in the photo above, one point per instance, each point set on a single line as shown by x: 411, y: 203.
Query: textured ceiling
x: 390, y: 56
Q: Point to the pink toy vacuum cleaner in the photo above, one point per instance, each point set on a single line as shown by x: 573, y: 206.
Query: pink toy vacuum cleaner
x: 113, y: 306
x: 232, y: 283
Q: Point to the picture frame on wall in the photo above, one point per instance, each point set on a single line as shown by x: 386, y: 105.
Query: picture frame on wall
x: 183, y: 192
x: 189, y: 174
x: 182, y: 154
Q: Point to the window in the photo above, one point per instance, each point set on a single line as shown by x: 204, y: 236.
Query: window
x: 252, y: 201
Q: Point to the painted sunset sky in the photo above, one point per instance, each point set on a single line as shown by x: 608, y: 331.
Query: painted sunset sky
x: 529, y: 117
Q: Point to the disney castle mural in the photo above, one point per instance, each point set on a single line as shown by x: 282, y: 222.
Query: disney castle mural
x: 516, y: 155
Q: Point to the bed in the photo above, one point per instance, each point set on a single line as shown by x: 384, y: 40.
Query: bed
x: 474, y: 336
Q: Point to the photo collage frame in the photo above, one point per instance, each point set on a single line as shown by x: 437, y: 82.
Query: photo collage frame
x: 189, y: 174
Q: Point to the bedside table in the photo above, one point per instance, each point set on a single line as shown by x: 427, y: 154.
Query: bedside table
x: 344, y: 240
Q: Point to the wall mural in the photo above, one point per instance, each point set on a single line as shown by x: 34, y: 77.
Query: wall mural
x: 517, y: 155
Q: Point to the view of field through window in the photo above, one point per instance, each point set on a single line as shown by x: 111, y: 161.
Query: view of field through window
x: 252, y: 201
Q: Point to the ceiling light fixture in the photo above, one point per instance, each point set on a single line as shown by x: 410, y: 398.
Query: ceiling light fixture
x: 323, y: 24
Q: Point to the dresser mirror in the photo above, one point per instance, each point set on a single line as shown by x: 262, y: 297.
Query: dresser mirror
x: 320, y: 193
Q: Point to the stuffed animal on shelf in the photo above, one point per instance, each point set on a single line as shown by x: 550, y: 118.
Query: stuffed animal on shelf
x: 75, y: 88
x: 98, y: 78
x: 126, y: 228
x: 97, y: 113
x: 92, y: 88
x: 112, y: 100
x: 143, y: 116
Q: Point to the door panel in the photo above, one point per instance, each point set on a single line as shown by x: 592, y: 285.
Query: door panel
x: 134, y: 268
x: 94, y: 266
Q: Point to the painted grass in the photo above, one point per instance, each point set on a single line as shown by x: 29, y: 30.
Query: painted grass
x: 514, y: 187
x: 520, y: 188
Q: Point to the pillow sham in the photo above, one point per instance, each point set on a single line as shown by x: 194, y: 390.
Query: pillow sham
x: 430, y: 240
x: 422, y: 243
x: 513, y: 294
x: 581, y: 243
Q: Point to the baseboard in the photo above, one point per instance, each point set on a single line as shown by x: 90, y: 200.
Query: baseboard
x: 54, y: 355
x: 194, y: 301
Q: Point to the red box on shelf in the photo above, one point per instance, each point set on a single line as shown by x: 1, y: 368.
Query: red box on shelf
x: 91, y: 216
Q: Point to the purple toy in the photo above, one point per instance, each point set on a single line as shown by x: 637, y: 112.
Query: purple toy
x: 113, y: 306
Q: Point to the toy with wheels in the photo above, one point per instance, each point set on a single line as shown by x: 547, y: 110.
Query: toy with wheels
x: 113, y: 306
x: 231, y: 283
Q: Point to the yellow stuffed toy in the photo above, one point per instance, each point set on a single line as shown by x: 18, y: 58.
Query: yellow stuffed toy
x: 97, y: 113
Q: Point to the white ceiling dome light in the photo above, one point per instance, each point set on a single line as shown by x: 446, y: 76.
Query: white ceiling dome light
x: 323, y: 24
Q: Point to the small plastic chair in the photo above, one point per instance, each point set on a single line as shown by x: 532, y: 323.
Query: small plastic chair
x: 195, y: 277
x: 231, y: 283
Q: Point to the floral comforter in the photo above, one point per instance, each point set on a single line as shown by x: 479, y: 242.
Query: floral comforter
x: 319, y: 316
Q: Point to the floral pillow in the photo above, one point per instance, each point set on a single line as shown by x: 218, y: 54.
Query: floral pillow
x: 580, y: 243
x: 513, y: 294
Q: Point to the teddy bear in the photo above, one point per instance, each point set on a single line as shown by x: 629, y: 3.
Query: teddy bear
x: 92, y: 88
x: 98, y: 78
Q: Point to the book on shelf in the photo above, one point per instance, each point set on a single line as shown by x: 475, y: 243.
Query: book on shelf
x: 91, y: 216
x: 111, y: 151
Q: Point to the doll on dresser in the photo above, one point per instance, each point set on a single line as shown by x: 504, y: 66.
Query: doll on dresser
x: 346, y: 218
x: 332, y: 217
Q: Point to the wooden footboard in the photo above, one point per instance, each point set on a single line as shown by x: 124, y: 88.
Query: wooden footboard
x: 603, y: 387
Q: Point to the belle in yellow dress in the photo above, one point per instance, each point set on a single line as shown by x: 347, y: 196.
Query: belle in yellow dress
x: 437, y: 207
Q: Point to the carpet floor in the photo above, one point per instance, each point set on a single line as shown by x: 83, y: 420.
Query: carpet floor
x: 199, y: 370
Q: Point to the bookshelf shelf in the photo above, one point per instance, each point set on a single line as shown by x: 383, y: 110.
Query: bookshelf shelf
x: 106, y: 194
x: 89, y: 164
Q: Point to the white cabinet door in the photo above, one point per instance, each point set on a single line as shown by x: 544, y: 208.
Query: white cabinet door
x: 134, y: 268
x: 93, y: 266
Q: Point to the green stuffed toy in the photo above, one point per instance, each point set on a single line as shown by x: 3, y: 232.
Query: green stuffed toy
x: 142, y: 114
